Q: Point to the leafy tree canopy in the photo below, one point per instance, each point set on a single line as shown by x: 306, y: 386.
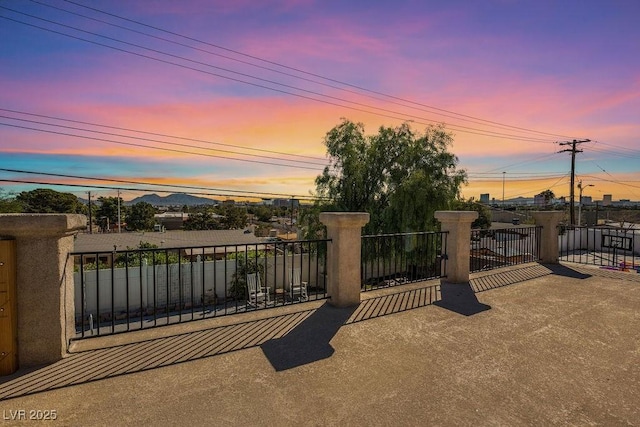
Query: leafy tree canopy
x: 263, y: 213
x: 234, y: 217
x: 484, y: 213
x: 109, y: 209
x: 43, y: 200
x: 201, y: 221
x: 141, y: 217
x: 9, y: 203
x: 400, y: 176
x: 548, y: 196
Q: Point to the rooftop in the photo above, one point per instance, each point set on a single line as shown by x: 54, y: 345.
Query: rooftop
x: 168, y: 239
x: 541, y: 345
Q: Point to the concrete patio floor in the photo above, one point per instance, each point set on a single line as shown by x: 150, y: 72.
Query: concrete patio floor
x: 546, y: 345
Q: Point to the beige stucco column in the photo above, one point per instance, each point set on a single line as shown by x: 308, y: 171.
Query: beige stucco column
x: 343, y: 256
x: 549, y: 248
x: 44, y: 283
x: 458, y: 225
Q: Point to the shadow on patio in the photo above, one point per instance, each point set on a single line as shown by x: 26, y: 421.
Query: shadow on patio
x: 287, y: 340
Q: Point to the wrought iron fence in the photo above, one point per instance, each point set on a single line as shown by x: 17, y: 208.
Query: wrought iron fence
x: 503, y: 247
x: 608, y: 247
x: 120, y: 291
x: 396, y: 259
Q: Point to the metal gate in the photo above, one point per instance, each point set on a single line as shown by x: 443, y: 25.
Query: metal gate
x: 608, y: 247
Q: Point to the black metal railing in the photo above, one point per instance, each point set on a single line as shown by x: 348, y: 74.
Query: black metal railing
x: 395, y: 259
x: 503, y: 247
x: 608, y: 247
x: 120, y: 291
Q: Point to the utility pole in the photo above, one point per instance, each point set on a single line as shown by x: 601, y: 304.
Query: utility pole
x: 90, y: 220
x: 573, y: 150
x: 119, y: 211
x: 503, y: 175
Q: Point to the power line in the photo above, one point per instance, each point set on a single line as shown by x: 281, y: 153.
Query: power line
x: 387, y: 98
x: 122, y: 181
x: 164, y: 135
x: 624, y: 183
x: 384, y: 112
x: 630, y: 154
x: 103, y: 187
x: 535, y: 159
x: 557, y: 183
x: 516, y: 173
x: 633, y: 150
x: 496, y: 179
x: 127, y: 189
x: 172, y: 150
x: 463, y: 116
x: 158, y: 141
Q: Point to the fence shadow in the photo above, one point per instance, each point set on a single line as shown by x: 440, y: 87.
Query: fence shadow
x: 495, y: 280
x: 287, y: 340
x: 95, y: 365
x: 396, y: 302
x: 309, y: 341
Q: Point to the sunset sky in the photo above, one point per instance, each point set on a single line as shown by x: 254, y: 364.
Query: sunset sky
x: 235, y: 97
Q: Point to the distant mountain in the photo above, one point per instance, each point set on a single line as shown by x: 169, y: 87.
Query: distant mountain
x: 172, y: 200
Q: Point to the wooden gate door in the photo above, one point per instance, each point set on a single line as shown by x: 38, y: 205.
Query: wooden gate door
x: 8, y: 314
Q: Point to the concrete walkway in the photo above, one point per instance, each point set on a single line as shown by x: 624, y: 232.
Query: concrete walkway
x: 547, y: 345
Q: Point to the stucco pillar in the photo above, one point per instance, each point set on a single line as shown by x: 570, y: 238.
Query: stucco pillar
x: 549, y: 247
x: 44, y: 283
x: 458, y: 225
x: 343, y: 256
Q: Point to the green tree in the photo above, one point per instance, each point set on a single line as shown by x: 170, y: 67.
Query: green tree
x: 484, y: 213
x: 201, y: 221
x: 263, y: 213
x: 310, y: 226
x: 246, y: 263
x: 141, y: 217
x: 234, y: 217
x: 108, y: 209
x: 43, y: 200
x: 9, y: 204
x: 400, y: 176
x: 548, y: 196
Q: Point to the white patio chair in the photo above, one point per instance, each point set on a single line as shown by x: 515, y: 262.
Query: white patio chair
x: 297, y: 288
x: 256, y: 292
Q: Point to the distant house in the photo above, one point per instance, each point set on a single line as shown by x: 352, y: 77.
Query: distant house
x: 171, y: 220
x: 175, y: 220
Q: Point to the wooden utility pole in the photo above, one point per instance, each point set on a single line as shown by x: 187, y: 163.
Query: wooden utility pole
x: 90, y: 218
x: 573, y: 150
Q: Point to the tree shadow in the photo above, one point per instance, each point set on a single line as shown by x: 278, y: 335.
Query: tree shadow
x: 563, y: 270
x: 309, y: 341
x: 460, y: 298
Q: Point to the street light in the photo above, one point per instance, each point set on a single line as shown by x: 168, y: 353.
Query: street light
x: 581, y: 187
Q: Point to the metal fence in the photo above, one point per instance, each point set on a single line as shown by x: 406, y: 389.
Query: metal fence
x: 503, y: 247
x: 128, y: 290
x: 608, y: 247
x: 396, y: 259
